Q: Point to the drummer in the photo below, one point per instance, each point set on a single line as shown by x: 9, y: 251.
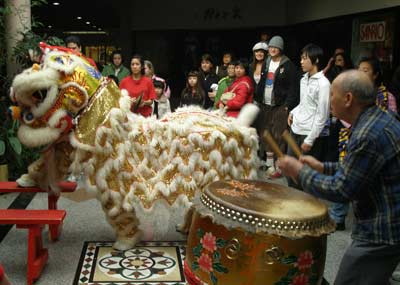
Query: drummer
x: 369, y: 177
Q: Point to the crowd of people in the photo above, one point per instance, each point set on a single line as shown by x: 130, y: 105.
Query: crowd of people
x: 341, y: 113
x: 288, y: 98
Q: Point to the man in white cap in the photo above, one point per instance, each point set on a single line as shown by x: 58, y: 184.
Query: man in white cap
x: 277, y: 93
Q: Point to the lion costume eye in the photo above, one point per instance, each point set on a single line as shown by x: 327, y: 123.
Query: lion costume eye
x: 28, y: 118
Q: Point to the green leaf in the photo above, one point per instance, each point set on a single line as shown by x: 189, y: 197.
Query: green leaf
x: 216, y: 256
x: 289, y: 260
x: 18, y: 160
x: 15, y: 144
x: 197, y: 250
x: 213, y: 278
x: 195, y: 266
x: 220, y: 268
x: 2, y: 147
x: 200, y: 233
x: 221, y: 243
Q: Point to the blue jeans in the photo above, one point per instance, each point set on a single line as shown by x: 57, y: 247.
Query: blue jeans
x: 338, y: 212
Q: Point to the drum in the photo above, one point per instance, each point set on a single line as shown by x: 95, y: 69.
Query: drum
x: 247, y: 232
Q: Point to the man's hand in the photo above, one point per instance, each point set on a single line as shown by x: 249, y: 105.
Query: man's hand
x: 313, y: 163
x: 290, y: 119
x: 289, y: 166
x: 305, y: 147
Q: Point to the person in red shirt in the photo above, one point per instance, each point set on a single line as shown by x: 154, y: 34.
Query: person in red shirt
x: 243, y: 89
x: 139, y: 87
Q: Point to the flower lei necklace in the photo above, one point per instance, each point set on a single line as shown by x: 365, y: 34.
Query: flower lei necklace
x: 382, y: 100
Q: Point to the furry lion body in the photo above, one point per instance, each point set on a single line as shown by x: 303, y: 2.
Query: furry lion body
x: 145, y: 171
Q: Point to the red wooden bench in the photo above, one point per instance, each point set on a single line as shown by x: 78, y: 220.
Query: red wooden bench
x: 34, y: 221
x: 65, y: 186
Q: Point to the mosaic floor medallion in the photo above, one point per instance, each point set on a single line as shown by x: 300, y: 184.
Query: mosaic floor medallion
x: 149, y: 263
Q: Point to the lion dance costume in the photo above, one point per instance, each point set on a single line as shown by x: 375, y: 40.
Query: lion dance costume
x: 145, y: 171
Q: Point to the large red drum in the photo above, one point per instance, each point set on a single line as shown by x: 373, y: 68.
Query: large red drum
x: 256, y: 233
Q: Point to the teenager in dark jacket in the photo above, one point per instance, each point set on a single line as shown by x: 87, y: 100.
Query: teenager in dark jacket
x: 276, y: 94
x: 208, y: 79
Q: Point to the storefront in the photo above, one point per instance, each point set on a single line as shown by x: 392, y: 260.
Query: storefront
x: 374, y: 35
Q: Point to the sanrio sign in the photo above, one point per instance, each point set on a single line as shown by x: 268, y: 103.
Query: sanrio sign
x: 372, y: 32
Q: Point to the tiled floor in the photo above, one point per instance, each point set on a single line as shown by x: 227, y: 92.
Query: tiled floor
x: 150, y: 262
x: 85, y: 222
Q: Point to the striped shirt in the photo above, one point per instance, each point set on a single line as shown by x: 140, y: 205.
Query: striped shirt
x: 369, y: 177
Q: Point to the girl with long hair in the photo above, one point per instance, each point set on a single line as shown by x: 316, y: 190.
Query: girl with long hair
x: 193, y: 93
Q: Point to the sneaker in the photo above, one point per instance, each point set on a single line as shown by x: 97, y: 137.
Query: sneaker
x: 273, y: 173
x: 270, y: 170
x: 71, y: 178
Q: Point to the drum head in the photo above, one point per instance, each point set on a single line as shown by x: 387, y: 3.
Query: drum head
x: 268, y: 206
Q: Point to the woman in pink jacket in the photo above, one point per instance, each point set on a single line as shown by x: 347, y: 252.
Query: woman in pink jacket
x: 241, y: 91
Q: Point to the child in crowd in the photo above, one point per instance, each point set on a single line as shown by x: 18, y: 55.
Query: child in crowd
x: 193, y: 93
x: 372, y: 67
x: 221, y: 70
x: 150, y: 73
x: 208, y: 79
x: 161, y: 105
x: 116, y: 68
x: 242, y: 90
x: 225, y: 82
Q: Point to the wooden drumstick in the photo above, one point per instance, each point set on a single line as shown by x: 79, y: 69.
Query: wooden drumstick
x: 272, y: 143
x: 275, y: 148
x: 291, y: 143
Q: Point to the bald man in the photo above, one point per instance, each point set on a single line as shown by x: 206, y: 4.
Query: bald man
x: 368, y: 177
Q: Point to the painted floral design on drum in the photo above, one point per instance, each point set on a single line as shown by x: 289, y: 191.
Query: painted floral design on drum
x: 304, y: 270
x: 207, y: 255
x: 300, y: 280
x: 209, y: 242
x: 205, y: 263
x: 304, y: 261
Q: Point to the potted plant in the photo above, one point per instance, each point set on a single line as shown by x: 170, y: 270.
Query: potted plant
x: 14, y: 158
x: 10, y: 147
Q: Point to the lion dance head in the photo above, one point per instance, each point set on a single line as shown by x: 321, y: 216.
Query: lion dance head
x: 51, y: 94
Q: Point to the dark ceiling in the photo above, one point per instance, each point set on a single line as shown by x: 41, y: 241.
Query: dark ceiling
x: 102, y: 15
